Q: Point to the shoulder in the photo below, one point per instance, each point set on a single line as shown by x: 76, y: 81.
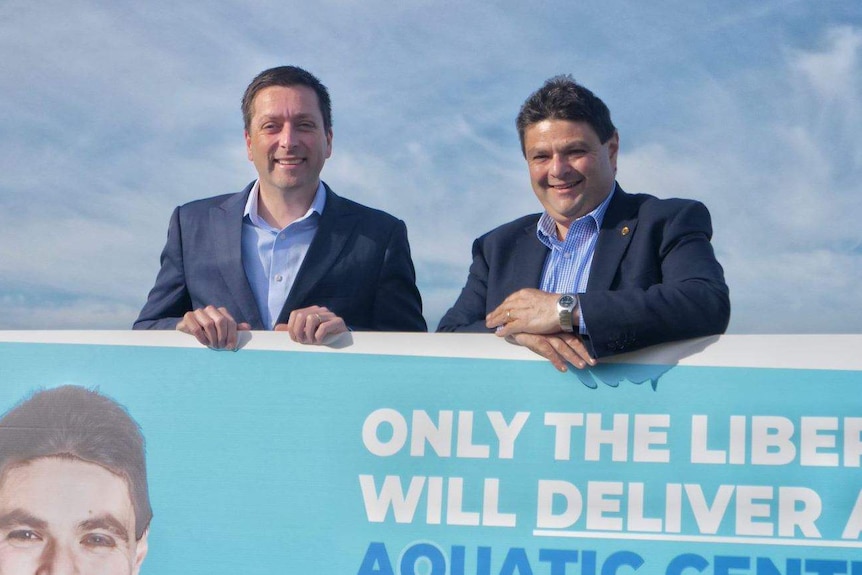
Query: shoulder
x: 651, y: 208
x: 200, y: 210
x: 658, y: 217
x: 338, y: 206
x: 223, y: 200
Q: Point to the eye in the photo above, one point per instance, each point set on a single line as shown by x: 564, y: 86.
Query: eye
x: 98, y: 540
x: 23, y: 537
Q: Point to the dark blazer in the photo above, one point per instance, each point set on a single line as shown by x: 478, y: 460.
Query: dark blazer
x: 654, y: 276
x: 358, y: 265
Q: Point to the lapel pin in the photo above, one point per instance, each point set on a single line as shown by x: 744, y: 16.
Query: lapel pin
x: 625, y: 231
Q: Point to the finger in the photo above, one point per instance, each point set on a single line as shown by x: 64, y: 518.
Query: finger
x: 498, y: 317
x: 312, y: 322
x: 227, y: 329
x: 503, y: 316
x: 220, y: 326
x: 576, y: 343
x: 207, y: 325
x: 321, y: 332
x: 191, y: 326
x: 541, y: 345
x: 246, y: 326
x: 291, y: 321
x: 329, y: 330
x: 295, y: 324
x: 573, y: 350
x: 511, y: 325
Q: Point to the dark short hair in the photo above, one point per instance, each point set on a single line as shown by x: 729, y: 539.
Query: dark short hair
x: 561, y: 98
x: 287, y: 76
x: 75, y: 422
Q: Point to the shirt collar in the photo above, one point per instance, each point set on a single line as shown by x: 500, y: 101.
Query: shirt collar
x: 546, y: 228
x: 317, y: 205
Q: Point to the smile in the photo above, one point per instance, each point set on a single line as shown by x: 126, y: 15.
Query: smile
x: 289, y: 161
x: 564, y: 187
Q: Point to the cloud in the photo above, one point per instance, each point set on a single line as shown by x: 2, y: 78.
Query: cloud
x: 775, y: 155
x: 112, y: 114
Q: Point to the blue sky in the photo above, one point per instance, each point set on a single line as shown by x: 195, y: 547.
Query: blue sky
x: 114, y: 112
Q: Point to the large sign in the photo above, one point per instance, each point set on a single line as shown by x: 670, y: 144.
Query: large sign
x: 463, y: 455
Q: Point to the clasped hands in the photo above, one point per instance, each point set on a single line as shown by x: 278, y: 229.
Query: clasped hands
x: 529, y: 317
x: 215, y: 328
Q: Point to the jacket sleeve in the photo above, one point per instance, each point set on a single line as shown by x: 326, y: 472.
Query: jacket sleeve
x: 670, y: 287
x: 397, y: 303
x: 468, y: 313
x: 169, y: 299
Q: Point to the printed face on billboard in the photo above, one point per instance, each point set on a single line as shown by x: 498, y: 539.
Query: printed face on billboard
x: 65, y: 515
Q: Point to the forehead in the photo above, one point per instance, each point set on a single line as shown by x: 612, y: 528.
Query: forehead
x: 64, y: 492
x: 554, y: 131
x: 286, y: 101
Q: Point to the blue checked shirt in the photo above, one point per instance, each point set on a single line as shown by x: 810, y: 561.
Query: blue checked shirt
x: 567, y: 267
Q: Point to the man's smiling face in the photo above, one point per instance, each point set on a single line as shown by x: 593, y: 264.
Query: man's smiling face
x: 571, y: 170
x: 287, y: 140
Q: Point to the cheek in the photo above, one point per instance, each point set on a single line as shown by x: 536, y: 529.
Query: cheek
x: 13, y: 561
x: 107, y: 564
x: 538, y: 174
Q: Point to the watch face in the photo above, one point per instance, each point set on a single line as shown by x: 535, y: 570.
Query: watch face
x: 567, y: 301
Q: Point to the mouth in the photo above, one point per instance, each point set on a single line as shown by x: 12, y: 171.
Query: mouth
x: 564, y: 187
x: 288, y: 161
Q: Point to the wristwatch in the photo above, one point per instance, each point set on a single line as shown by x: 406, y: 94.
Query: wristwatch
x: 566, y: 306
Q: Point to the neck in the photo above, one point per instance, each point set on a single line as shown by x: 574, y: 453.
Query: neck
x: 279, y: 208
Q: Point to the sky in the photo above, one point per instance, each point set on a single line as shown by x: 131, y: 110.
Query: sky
x: 114, y: 112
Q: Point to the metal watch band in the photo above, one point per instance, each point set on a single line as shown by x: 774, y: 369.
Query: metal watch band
x: 566, y: 306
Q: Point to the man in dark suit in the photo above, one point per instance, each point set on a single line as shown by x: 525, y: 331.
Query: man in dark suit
x: 286, y: 253
x: 600, y: 271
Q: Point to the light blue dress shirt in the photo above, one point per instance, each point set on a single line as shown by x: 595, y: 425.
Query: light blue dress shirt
x: 567, y: 267
x: 271, y: 257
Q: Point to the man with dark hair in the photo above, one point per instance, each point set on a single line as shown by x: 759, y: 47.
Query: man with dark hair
x: 600, y: 271
x: 286, y: 253
x: 73, y: 486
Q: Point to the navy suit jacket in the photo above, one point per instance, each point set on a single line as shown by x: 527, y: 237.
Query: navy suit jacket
x: 654, y: 276
x: 358, y: 266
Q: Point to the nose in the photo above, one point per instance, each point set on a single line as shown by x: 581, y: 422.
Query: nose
x: 287, y: 136
x: 57, y: 559
x: 558, y: 167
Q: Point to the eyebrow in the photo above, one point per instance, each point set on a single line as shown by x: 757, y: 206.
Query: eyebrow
x: 21, y: 517
x: 302, y: 116
x: 107, y: 522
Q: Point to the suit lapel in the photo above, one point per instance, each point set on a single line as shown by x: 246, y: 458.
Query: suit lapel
x: 527, y: 260
x: 334, y: 229
x: 226, y: 226
x: 617, y: 230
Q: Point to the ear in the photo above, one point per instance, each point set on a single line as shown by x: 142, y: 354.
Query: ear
x: 614, y: 147
x: 141, y: 548
x: 328, y: 143
x: 248, y: 145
